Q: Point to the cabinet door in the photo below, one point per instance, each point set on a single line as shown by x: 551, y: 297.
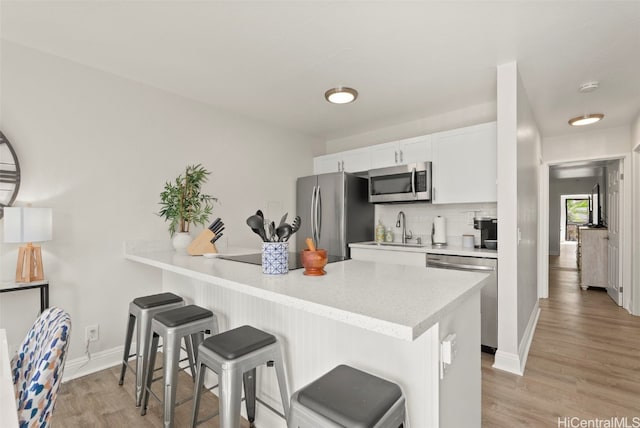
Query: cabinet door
x: 384, y: 155
x: 465, y: 165
x: 417, y: 149
x: 357, y: 160
x: 327, y: 163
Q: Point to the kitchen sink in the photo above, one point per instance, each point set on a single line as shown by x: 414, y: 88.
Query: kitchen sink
x: 395, y: 244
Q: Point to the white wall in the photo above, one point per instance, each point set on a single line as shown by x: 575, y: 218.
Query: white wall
x: 596, y: 144
x: 557, y: 188
x: 419, y: 218
x: 528, y: 158
x: 468, y: 116
x: 635, y: 146
x: 97, y: 149
x: 518, y: 161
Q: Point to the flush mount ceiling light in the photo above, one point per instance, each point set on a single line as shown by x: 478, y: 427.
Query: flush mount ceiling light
x: 341, y: 95
x: 587, y: 119
x: 588, y: 87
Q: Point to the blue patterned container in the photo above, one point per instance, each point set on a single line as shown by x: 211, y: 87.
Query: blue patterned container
x: 275, y: 258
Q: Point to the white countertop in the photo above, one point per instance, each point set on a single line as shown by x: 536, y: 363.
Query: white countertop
x: 398, y: 301
x: 453, y: 250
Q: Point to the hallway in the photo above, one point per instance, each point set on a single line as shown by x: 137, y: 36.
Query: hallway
x: 584, y: 361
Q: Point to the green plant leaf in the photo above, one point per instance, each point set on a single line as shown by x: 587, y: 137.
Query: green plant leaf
x: 183, y: 204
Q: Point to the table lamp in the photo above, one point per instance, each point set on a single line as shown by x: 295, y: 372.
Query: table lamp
x: 28, y: 225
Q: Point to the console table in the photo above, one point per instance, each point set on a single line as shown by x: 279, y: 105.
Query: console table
x: 19, y: 286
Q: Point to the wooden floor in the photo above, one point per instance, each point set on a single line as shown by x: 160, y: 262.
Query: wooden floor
x: 97, y: 400
x: 584, y: 361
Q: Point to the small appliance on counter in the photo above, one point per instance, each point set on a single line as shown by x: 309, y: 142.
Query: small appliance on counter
x: 439, y: 232
x: 488, y: 227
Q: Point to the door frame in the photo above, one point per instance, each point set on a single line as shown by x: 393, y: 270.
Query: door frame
x: 625, y: 226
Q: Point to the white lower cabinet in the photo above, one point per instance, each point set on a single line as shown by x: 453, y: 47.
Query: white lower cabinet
x: 389, y: 256
x: 465, y: 165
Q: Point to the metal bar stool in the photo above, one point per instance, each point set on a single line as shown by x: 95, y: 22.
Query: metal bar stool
x: 234, y: 356
x: 190, y: 323
x: 141, y: 311
x: 348, y: 397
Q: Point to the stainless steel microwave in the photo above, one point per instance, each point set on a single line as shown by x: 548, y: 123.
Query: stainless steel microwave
x: 405, y: 183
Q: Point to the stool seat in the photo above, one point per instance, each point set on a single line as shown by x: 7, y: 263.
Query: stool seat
x: 154, y: 300
x: 184, y: 315
x: 348, y: 397
x: 240, y: 341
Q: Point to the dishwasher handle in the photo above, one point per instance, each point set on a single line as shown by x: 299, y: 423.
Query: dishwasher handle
x: 447, y: 265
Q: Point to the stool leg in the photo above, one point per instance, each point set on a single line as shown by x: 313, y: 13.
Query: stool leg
x: 148, y: 376
x: 282, y: 381
x: 196, y: 340
x: 143, y: 340
x: 230, y: 398
x: 171, y: 362
x: 250, y: 394
x: 127, y: 347
x: 191, y: 354
x: 199, y: 379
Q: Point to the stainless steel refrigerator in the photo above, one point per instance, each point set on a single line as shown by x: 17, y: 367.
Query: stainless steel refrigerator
x: 335, y: 211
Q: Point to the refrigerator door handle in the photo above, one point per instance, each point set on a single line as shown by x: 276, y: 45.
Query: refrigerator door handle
x: 318, y: 215
x: 313, y: 212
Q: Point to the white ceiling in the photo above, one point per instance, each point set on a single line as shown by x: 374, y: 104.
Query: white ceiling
x: 273, y: 61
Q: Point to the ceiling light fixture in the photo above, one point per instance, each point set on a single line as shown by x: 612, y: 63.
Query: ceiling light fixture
x: 341, y: 95
x: 589, y: 87
x: 587, y: 119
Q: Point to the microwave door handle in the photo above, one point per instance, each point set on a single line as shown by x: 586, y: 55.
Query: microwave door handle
x: 413, y: 183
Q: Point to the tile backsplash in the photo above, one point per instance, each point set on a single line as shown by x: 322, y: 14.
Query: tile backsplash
x: 419, y: 217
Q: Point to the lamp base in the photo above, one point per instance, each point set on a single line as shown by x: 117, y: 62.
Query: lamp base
x: 29, y: 267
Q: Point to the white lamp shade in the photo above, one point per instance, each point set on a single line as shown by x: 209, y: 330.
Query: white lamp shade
x: 27, y: 224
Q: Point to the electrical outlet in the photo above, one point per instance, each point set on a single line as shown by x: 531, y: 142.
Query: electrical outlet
x: 92, y: 333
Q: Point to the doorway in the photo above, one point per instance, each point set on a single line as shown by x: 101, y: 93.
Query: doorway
x: 578, y: 178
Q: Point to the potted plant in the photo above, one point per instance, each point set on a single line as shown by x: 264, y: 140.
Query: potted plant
x: 183, y: 204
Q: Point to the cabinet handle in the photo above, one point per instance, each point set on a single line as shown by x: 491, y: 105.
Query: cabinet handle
x: 338, y: 166
x: 342, y: 165
x: 401, y: 157
x: 396, y: 156
x: 433, y: 193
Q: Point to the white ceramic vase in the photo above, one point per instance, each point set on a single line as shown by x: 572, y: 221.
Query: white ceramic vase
x: 181, y: 241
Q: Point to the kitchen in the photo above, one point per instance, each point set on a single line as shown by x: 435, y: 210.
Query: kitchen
x: 110, y: 123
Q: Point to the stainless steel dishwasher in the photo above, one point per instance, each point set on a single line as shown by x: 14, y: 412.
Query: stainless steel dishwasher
x: 488, y: 297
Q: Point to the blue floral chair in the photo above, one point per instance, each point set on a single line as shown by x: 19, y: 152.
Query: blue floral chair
x: 37, y: 368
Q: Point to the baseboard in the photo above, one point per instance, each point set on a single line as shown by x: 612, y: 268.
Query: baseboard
x: 527, y: 337
x: 79, y: 367
x: 515, y: 363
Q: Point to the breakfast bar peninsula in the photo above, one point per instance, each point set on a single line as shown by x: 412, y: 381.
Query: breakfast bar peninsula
x: 389, y: 320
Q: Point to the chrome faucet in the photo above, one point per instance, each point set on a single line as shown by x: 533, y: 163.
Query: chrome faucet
x: 401, y: 221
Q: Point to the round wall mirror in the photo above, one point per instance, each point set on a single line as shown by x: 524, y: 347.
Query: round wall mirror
x: 9, y: 174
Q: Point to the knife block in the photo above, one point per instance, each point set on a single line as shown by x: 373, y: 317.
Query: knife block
x: 202, y: 244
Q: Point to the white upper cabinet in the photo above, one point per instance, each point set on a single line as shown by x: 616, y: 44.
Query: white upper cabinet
x: 417, y: 149
x: 357, y: 160
x: 465, y: 165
